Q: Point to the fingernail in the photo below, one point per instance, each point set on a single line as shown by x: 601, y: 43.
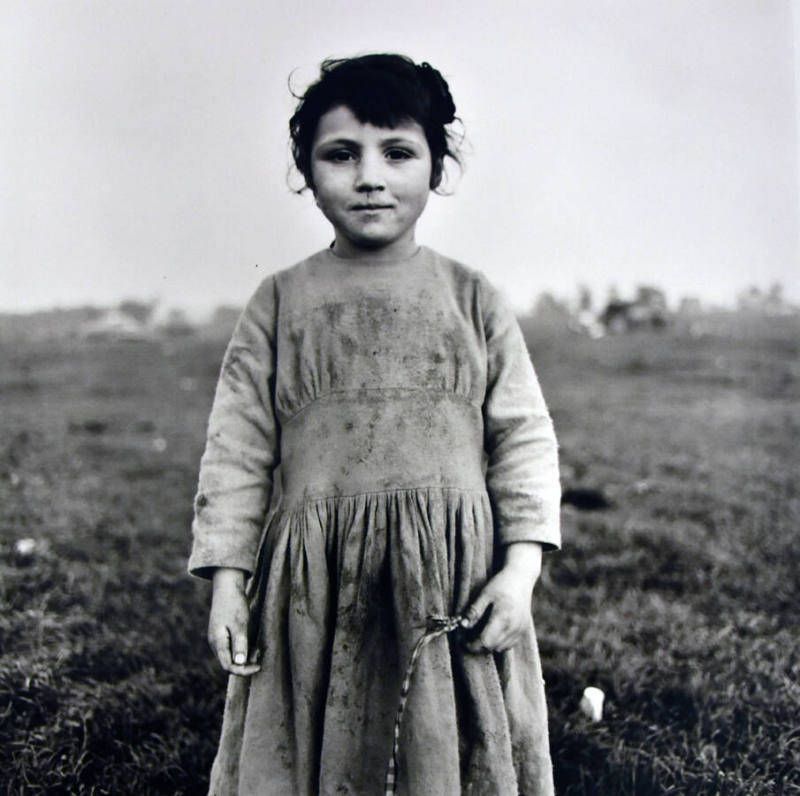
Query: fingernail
x: 239, y: 657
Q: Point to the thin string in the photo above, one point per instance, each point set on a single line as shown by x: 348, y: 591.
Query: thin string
x: 436, y: 626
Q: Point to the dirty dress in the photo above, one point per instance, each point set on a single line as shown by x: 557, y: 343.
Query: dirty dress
x: 398, y: 404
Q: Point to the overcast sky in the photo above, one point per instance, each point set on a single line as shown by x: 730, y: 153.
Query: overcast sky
x: 143, y: 147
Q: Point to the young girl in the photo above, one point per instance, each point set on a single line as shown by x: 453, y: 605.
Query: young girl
x: 418, y: 484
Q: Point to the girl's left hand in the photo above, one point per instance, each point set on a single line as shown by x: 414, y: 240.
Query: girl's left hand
x: 501, y: 613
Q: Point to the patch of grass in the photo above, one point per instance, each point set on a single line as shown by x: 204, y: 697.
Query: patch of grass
x: 679, y: 601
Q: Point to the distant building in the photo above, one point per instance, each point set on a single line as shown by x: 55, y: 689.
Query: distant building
x: 690, y: 306
x: 223, y: 321
x: 173, y: 323
x: 647, y: 311
x: 124, y: 323
x: 770, y: 302
x: 117, y: 325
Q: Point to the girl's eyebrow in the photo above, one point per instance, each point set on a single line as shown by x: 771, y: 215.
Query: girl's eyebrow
x: 339, y: 142
x: 398, y: 139
x: 349, y: 142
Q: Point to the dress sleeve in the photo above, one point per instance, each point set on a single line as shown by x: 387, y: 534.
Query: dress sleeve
x: 522, y: 470
x: 242, y: 446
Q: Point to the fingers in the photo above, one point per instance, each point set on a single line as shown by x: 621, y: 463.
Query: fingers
x: 495, y: 624
x: 497, y: 634
x: 500, y: 633
x: 475, y: 612
x: 227, y: 626
x: 239, y: 647
x: 242, y: 665
x: 475, y: 617
x: 218, y: 641
x: 230, y: 647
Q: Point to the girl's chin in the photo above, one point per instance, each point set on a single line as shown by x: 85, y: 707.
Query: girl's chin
x: 373, y: 244
x: 373, y: 237
x: 376, y: 243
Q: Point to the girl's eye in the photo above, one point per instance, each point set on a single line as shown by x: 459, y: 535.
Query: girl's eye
x: 399, y: 154
x: 340, y: 156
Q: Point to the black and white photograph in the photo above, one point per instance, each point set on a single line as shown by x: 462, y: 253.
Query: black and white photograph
x: 399, y: 398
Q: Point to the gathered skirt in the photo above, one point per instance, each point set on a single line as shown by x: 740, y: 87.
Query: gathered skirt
x: 343, y: 590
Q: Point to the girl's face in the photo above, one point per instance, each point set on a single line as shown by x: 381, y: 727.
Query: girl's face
x: 372, y: 183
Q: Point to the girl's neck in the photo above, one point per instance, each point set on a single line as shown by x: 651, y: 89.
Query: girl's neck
x: 392, y: 252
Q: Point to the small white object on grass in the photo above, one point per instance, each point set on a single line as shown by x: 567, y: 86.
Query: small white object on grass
x: 25, y: 548
x: 159, y: 444
x: 592, y: 703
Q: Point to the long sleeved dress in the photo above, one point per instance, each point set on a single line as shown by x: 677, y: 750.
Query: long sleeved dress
x: 398, y: 404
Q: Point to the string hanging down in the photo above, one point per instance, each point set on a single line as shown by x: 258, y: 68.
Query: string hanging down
x: 436, y: 626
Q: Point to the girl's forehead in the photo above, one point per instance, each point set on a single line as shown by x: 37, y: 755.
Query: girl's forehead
x: 341, y: 122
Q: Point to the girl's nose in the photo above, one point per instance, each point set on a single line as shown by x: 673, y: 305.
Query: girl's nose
x: 369, y: 174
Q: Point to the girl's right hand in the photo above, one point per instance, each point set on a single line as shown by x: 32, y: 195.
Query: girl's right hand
x: 227, y: 624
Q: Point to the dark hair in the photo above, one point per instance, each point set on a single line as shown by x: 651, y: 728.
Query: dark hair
x: 382, y: 89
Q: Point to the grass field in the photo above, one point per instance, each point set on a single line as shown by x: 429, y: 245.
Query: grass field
x: 679, y: 601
